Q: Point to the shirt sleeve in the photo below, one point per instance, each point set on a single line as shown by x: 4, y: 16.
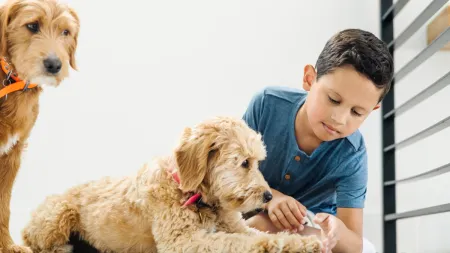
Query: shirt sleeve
x: 254, y: 110
x: 352, y: 187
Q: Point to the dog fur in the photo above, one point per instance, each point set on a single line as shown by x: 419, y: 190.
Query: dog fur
x: 31, y: 32
x: 144, y: 213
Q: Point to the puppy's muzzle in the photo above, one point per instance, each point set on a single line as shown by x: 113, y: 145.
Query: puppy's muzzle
x: 267, y: 196
x: 52, y: 64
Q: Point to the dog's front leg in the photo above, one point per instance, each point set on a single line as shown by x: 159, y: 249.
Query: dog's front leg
x: 233, y: 222
x: 184, y: 236
x: 5, y: 238
x: 220, y: 242
x: 9, y: 166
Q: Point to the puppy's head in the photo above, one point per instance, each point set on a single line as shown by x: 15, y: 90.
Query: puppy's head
x: 40, y: 39
x: 220, y: 158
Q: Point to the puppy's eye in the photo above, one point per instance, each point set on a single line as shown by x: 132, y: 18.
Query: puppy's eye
x: 65, y: 33
x: 245, y: 164
x: 33, y: 27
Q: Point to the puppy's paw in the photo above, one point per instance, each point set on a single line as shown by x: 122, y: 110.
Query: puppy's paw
x: 281, y: 242
x: 305, y: 244
x: 270, y: 245
x: 17, y: 249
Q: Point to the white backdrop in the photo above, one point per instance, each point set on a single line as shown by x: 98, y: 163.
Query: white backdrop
x: 147, y: 69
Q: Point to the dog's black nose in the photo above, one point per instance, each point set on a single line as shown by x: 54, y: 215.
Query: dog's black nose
x: 267, y: 196
x: 52, y: 65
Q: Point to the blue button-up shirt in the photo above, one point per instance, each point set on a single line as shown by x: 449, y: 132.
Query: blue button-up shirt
x: 334, y: 175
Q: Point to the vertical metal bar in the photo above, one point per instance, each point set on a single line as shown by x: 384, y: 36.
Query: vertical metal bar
x: 388, y: 130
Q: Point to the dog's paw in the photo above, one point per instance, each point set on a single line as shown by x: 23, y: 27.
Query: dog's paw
x: 270, y: 245
x: 17, y: 249
x: 304, y: 244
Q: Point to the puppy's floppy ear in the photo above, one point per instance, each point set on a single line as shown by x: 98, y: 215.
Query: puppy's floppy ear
x: 7, y: 11
x: 192, y: 158
x: 4, y: 21
x: 74, y: 45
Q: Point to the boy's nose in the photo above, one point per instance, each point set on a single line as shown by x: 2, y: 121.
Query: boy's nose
x: 339, y: 117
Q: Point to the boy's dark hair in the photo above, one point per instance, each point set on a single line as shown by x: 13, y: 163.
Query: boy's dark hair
x: 364, y: 51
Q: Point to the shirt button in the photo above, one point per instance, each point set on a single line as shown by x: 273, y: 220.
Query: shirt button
x: 287, y: 176
x: 297, y: 158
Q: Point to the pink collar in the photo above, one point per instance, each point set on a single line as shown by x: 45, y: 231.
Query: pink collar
x: 194, y: 198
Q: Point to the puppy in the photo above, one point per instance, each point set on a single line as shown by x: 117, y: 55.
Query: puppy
x: 190, y: 201
x: 38, y: 39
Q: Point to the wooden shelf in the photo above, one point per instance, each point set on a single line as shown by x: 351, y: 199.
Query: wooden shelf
x: 438, y: 25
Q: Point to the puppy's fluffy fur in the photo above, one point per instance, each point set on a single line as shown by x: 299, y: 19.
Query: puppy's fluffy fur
x: 31, y: 32
x: 144, y: 213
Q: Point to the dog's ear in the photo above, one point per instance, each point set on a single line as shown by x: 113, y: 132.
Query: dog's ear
x: 74, y: 45
x: 8, y: 10
x: 192, y: 158
x: 4, y: 20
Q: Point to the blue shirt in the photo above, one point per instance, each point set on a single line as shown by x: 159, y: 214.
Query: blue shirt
x: 334, y: 175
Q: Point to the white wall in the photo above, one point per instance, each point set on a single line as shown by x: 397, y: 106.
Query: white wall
x: 150, y: 68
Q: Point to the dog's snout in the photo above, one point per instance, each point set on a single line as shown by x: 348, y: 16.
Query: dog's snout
x: 267, y: 196
x: 52, y: 65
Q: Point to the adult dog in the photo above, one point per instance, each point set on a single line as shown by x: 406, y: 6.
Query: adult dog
x: 190, y: 201
x: 38, y: 39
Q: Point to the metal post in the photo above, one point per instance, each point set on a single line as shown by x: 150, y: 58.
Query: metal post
x: 388, y: 130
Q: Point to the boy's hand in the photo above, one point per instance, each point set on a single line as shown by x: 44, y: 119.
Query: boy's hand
x: 285, y: 212
x: 330, y: 226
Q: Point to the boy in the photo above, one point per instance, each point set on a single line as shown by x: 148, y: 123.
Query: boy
x: 316, y: 157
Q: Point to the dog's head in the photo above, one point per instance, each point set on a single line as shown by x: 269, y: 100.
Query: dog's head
x: 39, y: 37
x: 220, y: 158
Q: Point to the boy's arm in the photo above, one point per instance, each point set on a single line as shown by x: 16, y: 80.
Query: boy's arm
x: 350, y: 239
x: 352, y: 218
x: 347, y: 225
x: 350, y: 197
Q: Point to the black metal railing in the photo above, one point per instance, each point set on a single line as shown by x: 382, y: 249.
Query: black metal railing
x: 389, y: 11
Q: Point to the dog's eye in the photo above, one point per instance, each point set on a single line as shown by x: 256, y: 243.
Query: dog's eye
x: 65, y: 32
x: 245, y: 164
x: 33, y: 27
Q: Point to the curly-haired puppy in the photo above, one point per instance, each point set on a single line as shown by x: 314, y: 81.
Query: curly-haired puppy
x: 190, y: 201
x: 38, y: 39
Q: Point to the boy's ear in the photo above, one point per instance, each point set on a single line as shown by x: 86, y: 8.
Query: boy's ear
x: 309, y: 77
x: 377, y: 106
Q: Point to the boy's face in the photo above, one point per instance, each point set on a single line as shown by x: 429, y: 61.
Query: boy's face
x: 339, y: 102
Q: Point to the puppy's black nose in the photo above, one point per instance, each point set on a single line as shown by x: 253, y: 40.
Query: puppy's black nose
x: 267, y: 196
x: 52, y: 64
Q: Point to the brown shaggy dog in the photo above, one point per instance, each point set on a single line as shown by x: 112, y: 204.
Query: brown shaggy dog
x: 38, y: 39
x: 146, y: 212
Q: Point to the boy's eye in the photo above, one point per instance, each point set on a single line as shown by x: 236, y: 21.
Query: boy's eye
x: 333, y: 101
x: 356, y: 113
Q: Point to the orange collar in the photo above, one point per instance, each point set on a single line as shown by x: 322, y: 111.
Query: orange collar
x: 17, y: 85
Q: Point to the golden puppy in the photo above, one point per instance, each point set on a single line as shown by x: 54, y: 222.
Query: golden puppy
x: 190, y: 201
x: 38, y: 39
